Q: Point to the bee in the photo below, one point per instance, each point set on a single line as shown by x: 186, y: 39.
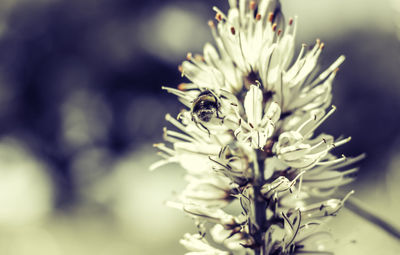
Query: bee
x: 205, y: 108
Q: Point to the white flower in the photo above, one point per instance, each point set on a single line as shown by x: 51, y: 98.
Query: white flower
x: 248, y: 43
x: 298, y: 237
x: 298, y: 150
x: 234, y: 239
x: 258, y: 128
x: 234, y: 164
x: 329, y: 174
x: 279, y: 185
x: 192, y: 148
x: 199, y: 246
x: 301, y: 94
x: 250, y: 49
x: 213, y: 190
x: 326, y: 208
x: 247, y: 136
x: 272, y: 165
x: 202, y: 212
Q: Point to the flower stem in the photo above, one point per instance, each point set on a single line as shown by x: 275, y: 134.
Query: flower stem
x: 358, y: 207
x: 260, y: 206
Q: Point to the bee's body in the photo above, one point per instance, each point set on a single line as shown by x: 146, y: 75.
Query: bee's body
x: 205, y: 108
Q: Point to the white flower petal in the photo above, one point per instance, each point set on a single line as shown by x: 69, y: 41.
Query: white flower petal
x: 253, y: 105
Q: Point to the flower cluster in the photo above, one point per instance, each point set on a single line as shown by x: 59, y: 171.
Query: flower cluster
x: 247, y: 137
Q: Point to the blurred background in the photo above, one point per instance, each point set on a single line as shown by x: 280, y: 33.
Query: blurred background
x: 81, y: 106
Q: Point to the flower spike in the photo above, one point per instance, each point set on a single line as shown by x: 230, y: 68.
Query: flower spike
x: 249, y: 136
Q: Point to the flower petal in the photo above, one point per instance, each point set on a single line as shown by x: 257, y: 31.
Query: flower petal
x: 253, y: 105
